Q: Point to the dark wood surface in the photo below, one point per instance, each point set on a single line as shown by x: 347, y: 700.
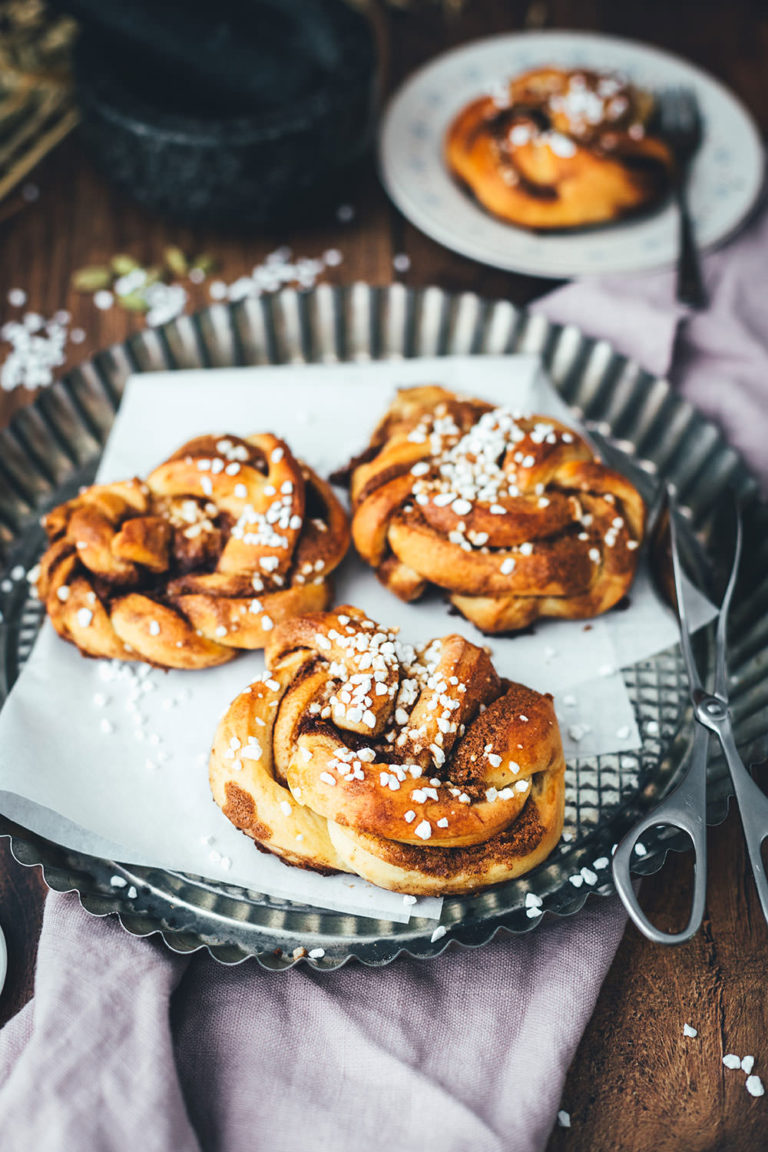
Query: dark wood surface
x: 636, y: 1082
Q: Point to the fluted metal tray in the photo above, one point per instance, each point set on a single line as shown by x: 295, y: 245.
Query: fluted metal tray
x: 53, y: 447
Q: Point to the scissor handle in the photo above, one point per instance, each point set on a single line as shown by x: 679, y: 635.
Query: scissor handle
x: 685, y: 809
x: 753, y: 806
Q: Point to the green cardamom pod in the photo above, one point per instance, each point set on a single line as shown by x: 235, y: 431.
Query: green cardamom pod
x: 122, y: 264
x: 133, y: 302
x: 176, y: 261
x: 204, y: 262
x: 92, y: 279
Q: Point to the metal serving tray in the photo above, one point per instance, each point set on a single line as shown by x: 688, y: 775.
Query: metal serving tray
x: 53, y: 446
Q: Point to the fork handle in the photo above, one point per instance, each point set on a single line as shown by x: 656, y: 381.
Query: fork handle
x: 690, y: 285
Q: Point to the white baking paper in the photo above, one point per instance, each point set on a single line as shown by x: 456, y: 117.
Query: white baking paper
x: 112, y: 759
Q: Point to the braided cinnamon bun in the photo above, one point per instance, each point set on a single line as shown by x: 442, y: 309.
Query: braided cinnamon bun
x: 416, y: 768
x: 561, y: 149
x: 513, y: 516
x: 224, y: 540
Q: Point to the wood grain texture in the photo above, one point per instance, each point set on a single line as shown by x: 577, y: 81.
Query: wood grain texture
x: 636, y: 1084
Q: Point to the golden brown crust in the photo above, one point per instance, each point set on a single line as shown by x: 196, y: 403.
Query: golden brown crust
x: 224, y: 540
x: 416, y: 768
x: 513, y: 516
x: 560, y: 149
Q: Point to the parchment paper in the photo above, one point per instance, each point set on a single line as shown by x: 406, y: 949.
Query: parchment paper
x: 112, y: 759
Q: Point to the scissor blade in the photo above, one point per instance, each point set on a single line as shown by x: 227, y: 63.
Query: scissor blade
x: 694, y: 680
x: 721, y: 670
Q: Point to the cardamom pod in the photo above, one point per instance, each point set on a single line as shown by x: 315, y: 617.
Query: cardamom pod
x: 122, y: 264
x: 92, y: 279
x: 133, y: 302
x: 176, y: 261
x: 204, y: 263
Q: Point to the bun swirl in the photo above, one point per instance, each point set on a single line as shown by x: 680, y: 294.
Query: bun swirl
x: 513, y: 516
x: 221, y: 542
x: 560, y: 149
x: 418, y: 769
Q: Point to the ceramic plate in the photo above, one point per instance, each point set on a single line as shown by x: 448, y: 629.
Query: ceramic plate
x: 725, y: 180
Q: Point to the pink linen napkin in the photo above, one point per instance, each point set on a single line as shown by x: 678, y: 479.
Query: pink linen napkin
x: 125, y: 1043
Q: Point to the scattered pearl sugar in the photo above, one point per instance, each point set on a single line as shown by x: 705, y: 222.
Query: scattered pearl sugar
x: 755, y: 1086
x: 641, y: 849
x: 132, y: 893
x: 532, y: 900
x: 17, y: 297
x: 316, y: 953
x: 409, y: 899
x: 103, y: 299
x: 118, y: 881
x: 747, y: 1064
x: 688, y: 1030
x: 438, y: 933
x: 564, y: 1118
x: 37, y: 348
x: 401, y: 262
x: 532, y: 913
x: 166, y: 302
x: 731, y: 1061
x: 280, y: 268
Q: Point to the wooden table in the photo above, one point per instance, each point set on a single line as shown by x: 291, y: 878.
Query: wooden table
x: 636, y: 1082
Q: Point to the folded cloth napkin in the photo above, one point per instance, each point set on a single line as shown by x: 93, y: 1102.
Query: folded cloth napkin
x: 125, y: 1042
x: 716, y: 358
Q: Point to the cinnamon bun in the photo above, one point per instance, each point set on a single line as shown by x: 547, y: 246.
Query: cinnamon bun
x: 561, y: 149
x: 514, y: 516
x: 416, y: 768
x: 224, y: 540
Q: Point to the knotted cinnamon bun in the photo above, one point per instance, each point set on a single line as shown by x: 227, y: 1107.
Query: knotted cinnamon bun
x: 416, y: 768
x: 223, y: 541
x: 514, y: 516
x: 560, y: 149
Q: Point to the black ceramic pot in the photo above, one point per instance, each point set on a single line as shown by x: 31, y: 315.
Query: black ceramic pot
x: 275, y: 151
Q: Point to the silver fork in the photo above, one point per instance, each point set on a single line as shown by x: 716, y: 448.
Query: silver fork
x: 680, y: 122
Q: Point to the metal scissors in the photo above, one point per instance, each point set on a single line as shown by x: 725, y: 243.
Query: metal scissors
x: 685, y: 807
